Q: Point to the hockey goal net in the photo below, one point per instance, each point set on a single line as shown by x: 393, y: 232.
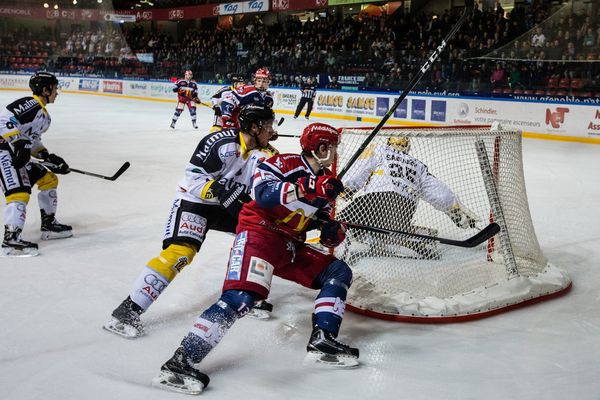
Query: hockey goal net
x: 478, y: 170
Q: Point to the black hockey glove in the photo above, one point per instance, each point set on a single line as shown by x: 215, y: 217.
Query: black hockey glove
x: 56, y: 164
x: 332, y: 233
x: 21, y: 153
x: 231, y: 199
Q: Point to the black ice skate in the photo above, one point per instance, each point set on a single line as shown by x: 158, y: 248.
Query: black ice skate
x: 324, y: 350
x: 194, y: 125
x: 14, y: 246
x: 173, y: 125
x: 178, y: 375
x: 52, y: 229
x: 261, y: 310
x: 125, y: 320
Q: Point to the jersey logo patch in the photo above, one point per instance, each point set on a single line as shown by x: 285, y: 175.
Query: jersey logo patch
x: 260, y: 272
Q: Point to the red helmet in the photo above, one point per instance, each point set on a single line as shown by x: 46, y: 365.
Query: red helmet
x: 317, y: 133
x: 262, y: 73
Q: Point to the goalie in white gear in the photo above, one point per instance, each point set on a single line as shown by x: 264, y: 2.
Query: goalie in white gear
x: 388, y: 175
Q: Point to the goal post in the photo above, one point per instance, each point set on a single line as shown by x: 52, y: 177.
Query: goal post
x: 454, y: 181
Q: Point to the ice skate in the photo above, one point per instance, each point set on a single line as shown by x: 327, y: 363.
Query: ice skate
x: 262, y: 310
x: 194, y: 125
x: 125, y: 320
x: 52, y: 229
x: 324, y: 350
x: 178, y: 375
x: 14, y: 246
x: 172, y: 125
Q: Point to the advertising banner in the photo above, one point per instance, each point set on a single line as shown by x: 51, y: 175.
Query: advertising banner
x: 561, y: 119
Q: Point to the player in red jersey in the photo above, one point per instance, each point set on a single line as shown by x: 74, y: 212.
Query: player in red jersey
x: 293, y: 194
x: 187, y: 95
x: 234, y: 100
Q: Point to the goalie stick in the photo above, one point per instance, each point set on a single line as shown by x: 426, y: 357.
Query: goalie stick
x: 475, y: 240
x: 117, y: 174
x: 411, y: 85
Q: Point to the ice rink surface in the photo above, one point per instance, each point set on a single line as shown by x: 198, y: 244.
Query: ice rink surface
x: 52, y: 346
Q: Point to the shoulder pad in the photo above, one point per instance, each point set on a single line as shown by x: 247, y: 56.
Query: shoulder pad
x: 246, y: 89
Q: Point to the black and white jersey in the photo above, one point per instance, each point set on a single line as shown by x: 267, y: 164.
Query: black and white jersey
x: 221, y: 156
x: 308, y: 91
x: 24, y: 119
x: 218, y: 96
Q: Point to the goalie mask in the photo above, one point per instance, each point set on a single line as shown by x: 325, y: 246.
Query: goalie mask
x: 399, y: 143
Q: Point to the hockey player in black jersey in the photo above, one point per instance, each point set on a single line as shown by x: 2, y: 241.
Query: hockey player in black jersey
x: 22, y: 124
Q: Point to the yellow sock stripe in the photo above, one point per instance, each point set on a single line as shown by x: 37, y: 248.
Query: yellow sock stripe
x: 172, y: 260
x: 48, y: 181
x: 21, y: 196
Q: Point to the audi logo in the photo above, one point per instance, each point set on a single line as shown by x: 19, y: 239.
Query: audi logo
x: 155, y: 282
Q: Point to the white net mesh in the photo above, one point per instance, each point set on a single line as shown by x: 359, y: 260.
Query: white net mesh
x: 439, y: 187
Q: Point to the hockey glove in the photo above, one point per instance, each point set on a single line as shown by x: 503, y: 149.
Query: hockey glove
x: 332, y: 233
x: 231, y: 199
x: 323, y: 186
x: 21, y: 153
x: 57, y: 164
x: 462, y: 217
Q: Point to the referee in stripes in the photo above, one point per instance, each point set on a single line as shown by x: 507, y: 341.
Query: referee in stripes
x: 309, y: 91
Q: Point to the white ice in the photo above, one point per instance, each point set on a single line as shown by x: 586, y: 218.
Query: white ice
x: 52, y: 308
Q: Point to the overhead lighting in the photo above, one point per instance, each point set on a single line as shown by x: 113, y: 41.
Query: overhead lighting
x: 46, y: 5
x: 56, y: 6
x: 74, y: 2
x: 99, y: 1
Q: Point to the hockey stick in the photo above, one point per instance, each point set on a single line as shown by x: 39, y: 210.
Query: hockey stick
x: 280, y: 121
x: 117, y: 174
x: 475, y: 240
x: 413, y: 82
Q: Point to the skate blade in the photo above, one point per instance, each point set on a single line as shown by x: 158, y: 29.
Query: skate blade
x: 261, y: 315
x: 56, y: 235
x: 26, y: 252
x: 318, y: 359
x: 124, y: 330
x: 167, y: 380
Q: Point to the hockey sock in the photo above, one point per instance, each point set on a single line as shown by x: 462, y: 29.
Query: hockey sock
x: 330, y: 303
x: 47, y: 195
x: 159, y: 272
x: 214, y: 323
x: 177, y: 114
x: 16, y: 209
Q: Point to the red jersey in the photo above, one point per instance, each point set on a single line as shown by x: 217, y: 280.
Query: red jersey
x: 276, y: 206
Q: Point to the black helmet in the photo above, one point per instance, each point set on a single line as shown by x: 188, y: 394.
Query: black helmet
x: 237, y: 78
x: 254, y: 114
x: 41, y: 80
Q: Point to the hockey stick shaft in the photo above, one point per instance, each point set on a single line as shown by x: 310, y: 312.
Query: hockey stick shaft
x: 475, y: 240
x: 114, y: 177
x: 413, y: 82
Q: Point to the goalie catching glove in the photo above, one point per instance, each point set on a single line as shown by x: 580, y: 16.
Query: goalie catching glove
x: 323, y: 186
x: 53, y: 162
x: 231, y: 199
x: 462, y: 216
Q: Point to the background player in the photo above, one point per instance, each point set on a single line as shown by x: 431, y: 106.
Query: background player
x: 217, y: 182
x: 187, y: 95
x: 309, y: 91
x: 22, y: 124
x: 216, y: 99
x: 234, y: 100
x: 387, y: 174
x: 290, y: 189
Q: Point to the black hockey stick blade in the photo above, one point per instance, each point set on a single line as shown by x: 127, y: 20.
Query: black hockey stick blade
x: 486, y: 233
x: 117, y: 174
